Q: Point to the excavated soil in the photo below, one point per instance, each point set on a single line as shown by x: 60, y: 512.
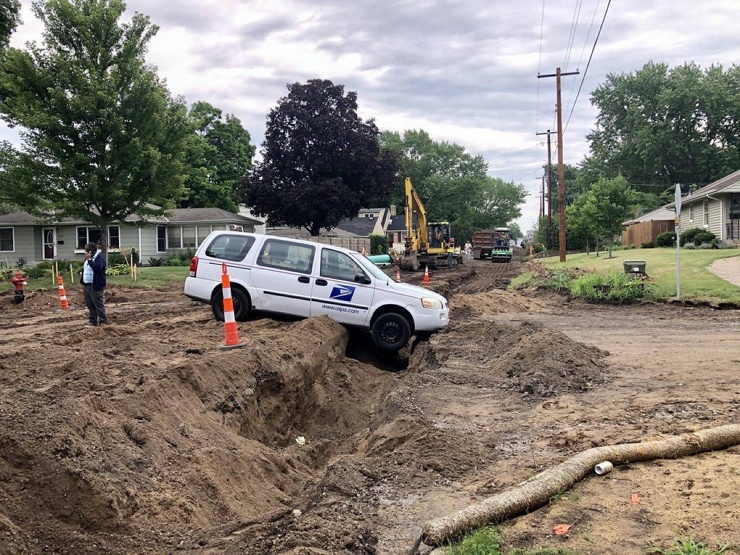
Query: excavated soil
x: 145, y: 437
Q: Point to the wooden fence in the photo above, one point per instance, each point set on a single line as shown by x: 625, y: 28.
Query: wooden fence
x: 644, y: 232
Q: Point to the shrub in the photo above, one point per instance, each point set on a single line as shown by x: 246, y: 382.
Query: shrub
x: 118, y: 270
x: 36, y: 272
x: 704, y: 237
x: 666, y: 239
x: 115, y: 258
x: 688, y: 235
x: 156, y: 261
x: 648, y: 245
x: 378, y: 244
x: 614, y: 288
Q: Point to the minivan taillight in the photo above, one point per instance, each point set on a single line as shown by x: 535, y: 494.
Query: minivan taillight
x: 193, y: 266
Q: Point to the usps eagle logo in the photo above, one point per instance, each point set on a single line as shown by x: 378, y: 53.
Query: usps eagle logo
x: 342, y: 292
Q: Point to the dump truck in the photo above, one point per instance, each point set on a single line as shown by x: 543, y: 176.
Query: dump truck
x: 492, y: 244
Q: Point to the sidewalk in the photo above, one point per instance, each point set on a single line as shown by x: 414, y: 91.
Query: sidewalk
x: 728, y: 269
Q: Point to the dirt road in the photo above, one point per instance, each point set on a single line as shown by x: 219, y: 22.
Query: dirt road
x: 144, y: 437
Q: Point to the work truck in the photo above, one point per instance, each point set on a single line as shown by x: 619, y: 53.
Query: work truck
x: 492, y: 244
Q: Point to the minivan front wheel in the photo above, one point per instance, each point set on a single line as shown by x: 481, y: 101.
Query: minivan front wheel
x: 391, y: 332
x: 240, y: 301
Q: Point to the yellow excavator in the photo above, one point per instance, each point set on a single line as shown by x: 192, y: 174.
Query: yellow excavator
x: 427, y: 243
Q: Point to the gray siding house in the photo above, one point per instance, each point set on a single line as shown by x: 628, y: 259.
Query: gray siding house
x: 714, y: 207
x: 24, y: 239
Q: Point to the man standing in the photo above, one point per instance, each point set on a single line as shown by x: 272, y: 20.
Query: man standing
x: 93, y: 283
x: 468, y: 251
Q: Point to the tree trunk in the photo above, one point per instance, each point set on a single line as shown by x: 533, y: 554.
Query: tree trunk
x: 537, y: 492
x: 588, y: 246
x: 597, y: 247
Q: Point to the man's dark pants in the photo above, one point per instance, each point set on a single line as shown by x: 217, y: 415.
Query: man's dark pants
x: 95, y: 301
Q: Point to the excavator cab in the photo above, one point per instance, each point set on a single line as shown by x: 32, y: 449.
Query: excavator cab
x: 439, y: 236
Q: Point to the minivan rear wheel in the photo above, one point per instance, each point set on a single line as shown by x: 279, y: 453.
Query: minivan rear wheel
x: 241, y: 305
x: 391, y: 332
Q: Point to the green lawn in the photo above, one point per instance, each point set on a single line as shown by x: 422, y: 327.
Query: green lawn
x: 155, y: 276
x: 697, y: 282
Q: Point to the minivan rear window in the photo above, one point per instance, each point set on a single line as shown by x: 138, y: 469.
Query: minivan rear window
x: 230, y: 247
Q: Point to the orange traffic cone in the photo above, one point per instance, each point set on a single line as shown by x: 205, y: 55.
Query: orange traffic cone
x: 398, y: 275
x: 62, y: 295
x: 426, y: 275
x: 230, y: 332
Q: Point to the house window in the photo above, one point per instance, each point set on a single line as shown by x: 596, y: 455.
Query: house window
x: 114, y: 237
x: 203, y: 232
x: 88, y: 234
x: 706, y: 213
x: 188, y: 236
x: 173, y: 237
x: 161, y: 238
x: 691, y: 212
x: 6, y: 239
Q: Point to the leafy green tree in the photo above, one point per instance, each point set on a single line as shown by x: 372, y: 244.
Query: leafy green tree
x: 453, y: 184
x: 660, y: 126
x: 516, y: 231
x: 10, y: 17
x: 219, y: 154
x: 604, y: 207
x: 102, y: 138
x: 320, y: 162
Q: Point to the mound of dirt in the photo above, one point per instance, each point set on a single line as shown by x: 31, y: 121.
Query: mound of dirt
x: 492, y: 302
x: 528, y: 359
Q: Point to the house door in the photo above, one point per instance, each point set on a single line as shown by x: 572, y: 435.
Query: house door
x: 50, y: 245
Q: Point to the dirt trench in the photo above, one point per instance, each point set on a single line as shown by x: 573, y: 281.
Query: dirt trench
x: 145, y: 437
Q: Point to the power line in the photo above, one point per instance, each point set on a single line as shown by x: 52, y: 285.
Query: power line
x: 571, y: 38
x: 585, y: 72
x: 585, y: 43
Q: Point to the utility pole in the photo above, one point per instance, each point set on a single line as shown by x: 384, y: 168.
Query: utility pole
x: 549, y: 189
x: 561, y: 174
x: 542, y: 199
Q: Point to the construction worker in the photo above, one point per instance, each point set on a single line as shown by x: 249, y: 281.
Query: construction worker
x: 450, y: 251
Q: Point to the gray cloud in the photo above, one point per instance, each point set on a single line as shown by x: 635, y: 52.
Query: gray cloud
x: 466, y: 71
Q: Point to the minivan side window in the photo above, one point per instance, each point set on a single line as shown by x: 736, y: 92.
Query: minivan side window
x: 286, y: 256
x: 337, y: 265
x: 230, y: 247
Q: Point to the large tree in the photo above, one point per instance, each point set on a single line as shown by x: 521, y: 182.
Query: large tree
x: 102, y: 138
x: 453, y: 184
x: 664, y: 126
x: 10, y: 17
x: 320, y: 162
x: 219, y: 154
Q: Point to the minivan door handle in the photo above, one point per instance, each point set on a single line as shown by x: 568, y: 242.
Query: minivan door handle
x: 303, y: 279
x: 321, y: 282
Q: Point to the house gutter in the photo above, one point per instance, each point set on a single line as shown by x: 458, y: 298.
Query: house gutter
x: 721, y: 216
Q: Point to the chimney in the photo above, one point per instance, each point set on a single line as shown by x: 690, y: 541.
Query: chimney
x: 393, y: 210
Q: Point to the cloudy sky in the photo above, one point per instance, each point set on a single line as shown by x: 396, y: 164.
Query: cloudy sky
x: 465, y: 71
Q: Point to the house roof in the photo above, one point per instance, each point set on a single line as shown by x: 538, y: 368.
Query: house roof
x: 397, y: 223
x: 661, y: 213
x: 729, y: 183
x: 178, y: 215
x: 362, y: 227
x: 194, y: 215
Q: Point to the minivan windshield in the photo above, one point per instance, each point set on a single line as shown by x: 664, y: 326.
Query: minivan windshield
x: 371, y: 268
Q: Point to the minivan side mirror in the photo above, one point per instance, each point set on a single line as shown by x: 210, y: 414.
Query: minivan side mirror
x: 362, y: 278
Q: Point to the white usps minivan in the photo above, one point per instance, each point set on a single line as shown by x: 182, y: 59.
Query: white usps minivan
x: 302, y: 278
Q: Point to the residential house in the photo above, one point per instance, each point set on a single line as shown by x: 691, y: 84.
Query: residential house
x: 26, y: 240
x: 714, y: 207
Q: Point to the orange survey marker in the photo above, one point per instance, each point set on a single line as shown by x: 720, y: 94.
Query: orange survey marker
x: 398, y: 275
x: 426, y: 275
x: 62, y: 295
x: 230, y: 331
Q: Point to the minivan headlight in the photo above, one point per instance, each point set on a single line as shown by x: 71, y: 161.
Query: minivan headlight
x: 431, y: 303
